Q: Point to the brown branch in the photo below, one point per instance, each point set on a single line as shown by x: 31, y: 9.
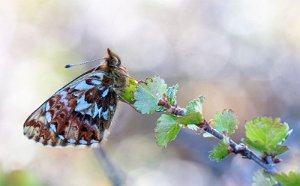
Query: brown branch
x: 241, y: 148
x: 171, y: 109
x: 116, y: 176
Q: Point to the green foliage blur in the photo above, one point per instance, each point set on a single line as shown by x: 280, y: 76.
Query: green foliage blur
x: 19, y: 178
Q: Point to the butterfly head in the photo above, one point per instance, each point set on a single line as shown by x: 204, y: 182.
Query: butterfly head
x: 113, y: 60
x: 113, y: 64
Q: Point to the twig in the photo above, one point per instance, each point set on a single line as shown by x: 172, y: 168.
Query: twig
x: 171, y: 109
x: 116, y: 176
x: 241, y: 148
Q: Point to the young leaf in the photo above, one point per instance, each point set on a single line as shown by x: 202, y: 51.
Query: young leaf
x: 195, y: 106
x: 219, y: 152
x: 226, y: 121
x: 259, y: 179
x: 166, y: 130
x: 148, y: 94
x: 171, y: 94
x: 291, y: 179
x: 193, y: 118
x: 266, y: 135
x: 129, y: 90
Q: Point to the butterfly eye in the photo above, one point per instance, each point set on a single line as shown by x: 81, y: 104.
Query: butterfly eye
x: 113, y: 59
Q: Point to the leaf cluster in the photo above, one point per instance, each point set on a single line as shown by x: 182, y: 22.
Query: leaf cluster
x: 264, y: 135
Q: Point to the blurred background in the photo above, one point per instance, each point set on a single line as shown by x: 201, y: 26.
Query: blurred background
x: 243, y: 55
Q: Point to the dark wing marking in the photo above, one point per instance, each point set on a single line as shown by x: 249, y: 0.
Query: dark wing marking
x: 77, y: 114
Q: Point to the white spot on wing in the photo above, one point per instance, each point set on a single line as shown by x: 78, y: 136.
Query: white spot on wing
x: 83, y: 86
x: 112, y: 108
x: 105, y: 114
x: 99, y: 112
x: 89, y: 112
x: 82, y: 104
x: 94, y: 141
x: 71, y: 140
x: 95, y: 111
x: 105, y: 92
x: 47, y: 106
x: 61, y: 137
x: 48, y: 117
x: 76, y: 94
x: 83, y: 142
x: 99, y: 75
x: 96, y: 82
x: 52, y: 127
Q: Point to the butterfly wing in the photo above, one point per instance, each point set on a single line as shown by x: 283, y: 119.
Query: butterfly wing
x: 78, y: 114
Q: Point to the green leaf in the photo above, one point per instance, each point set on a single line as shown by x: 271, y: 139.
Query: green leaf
x: 193, y: 113
x: 226, y: 121
x: 266, y: 135
x: 148, y: 94
x: 171, y: 93
x: 21, y: 177
x: 170, y: 97
x: 261, y: 147
x: 291, y: 179
x: 195, y: 106
x: 166, y: 130
x: 129, y: 90
x: 193, y: 118
x: 219, y: 152
x: 259, y: 179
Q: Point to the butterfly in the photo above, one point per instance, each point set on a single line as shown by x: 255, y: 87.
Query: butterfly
x: 81, y: 111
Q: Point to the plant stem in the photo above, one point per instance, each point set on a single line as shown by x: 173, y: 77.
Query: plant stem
x: 116, y: 176
x: 241, y: 148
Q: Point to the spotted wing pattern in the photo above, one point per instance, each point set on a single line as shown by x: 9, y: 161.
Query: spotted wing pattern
x: 78, y: 114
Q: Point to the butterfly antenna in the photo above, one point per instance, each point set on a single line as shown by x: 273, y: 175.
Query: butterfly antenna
x: 85, y: 62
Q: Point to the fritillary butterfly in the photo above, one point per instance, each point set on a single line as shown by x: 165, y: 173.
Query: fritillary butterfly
x: 80, y: 112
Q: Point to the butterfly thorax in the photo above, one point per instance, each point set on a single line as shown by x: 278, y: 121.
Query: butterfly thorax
x: 117, y: 76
